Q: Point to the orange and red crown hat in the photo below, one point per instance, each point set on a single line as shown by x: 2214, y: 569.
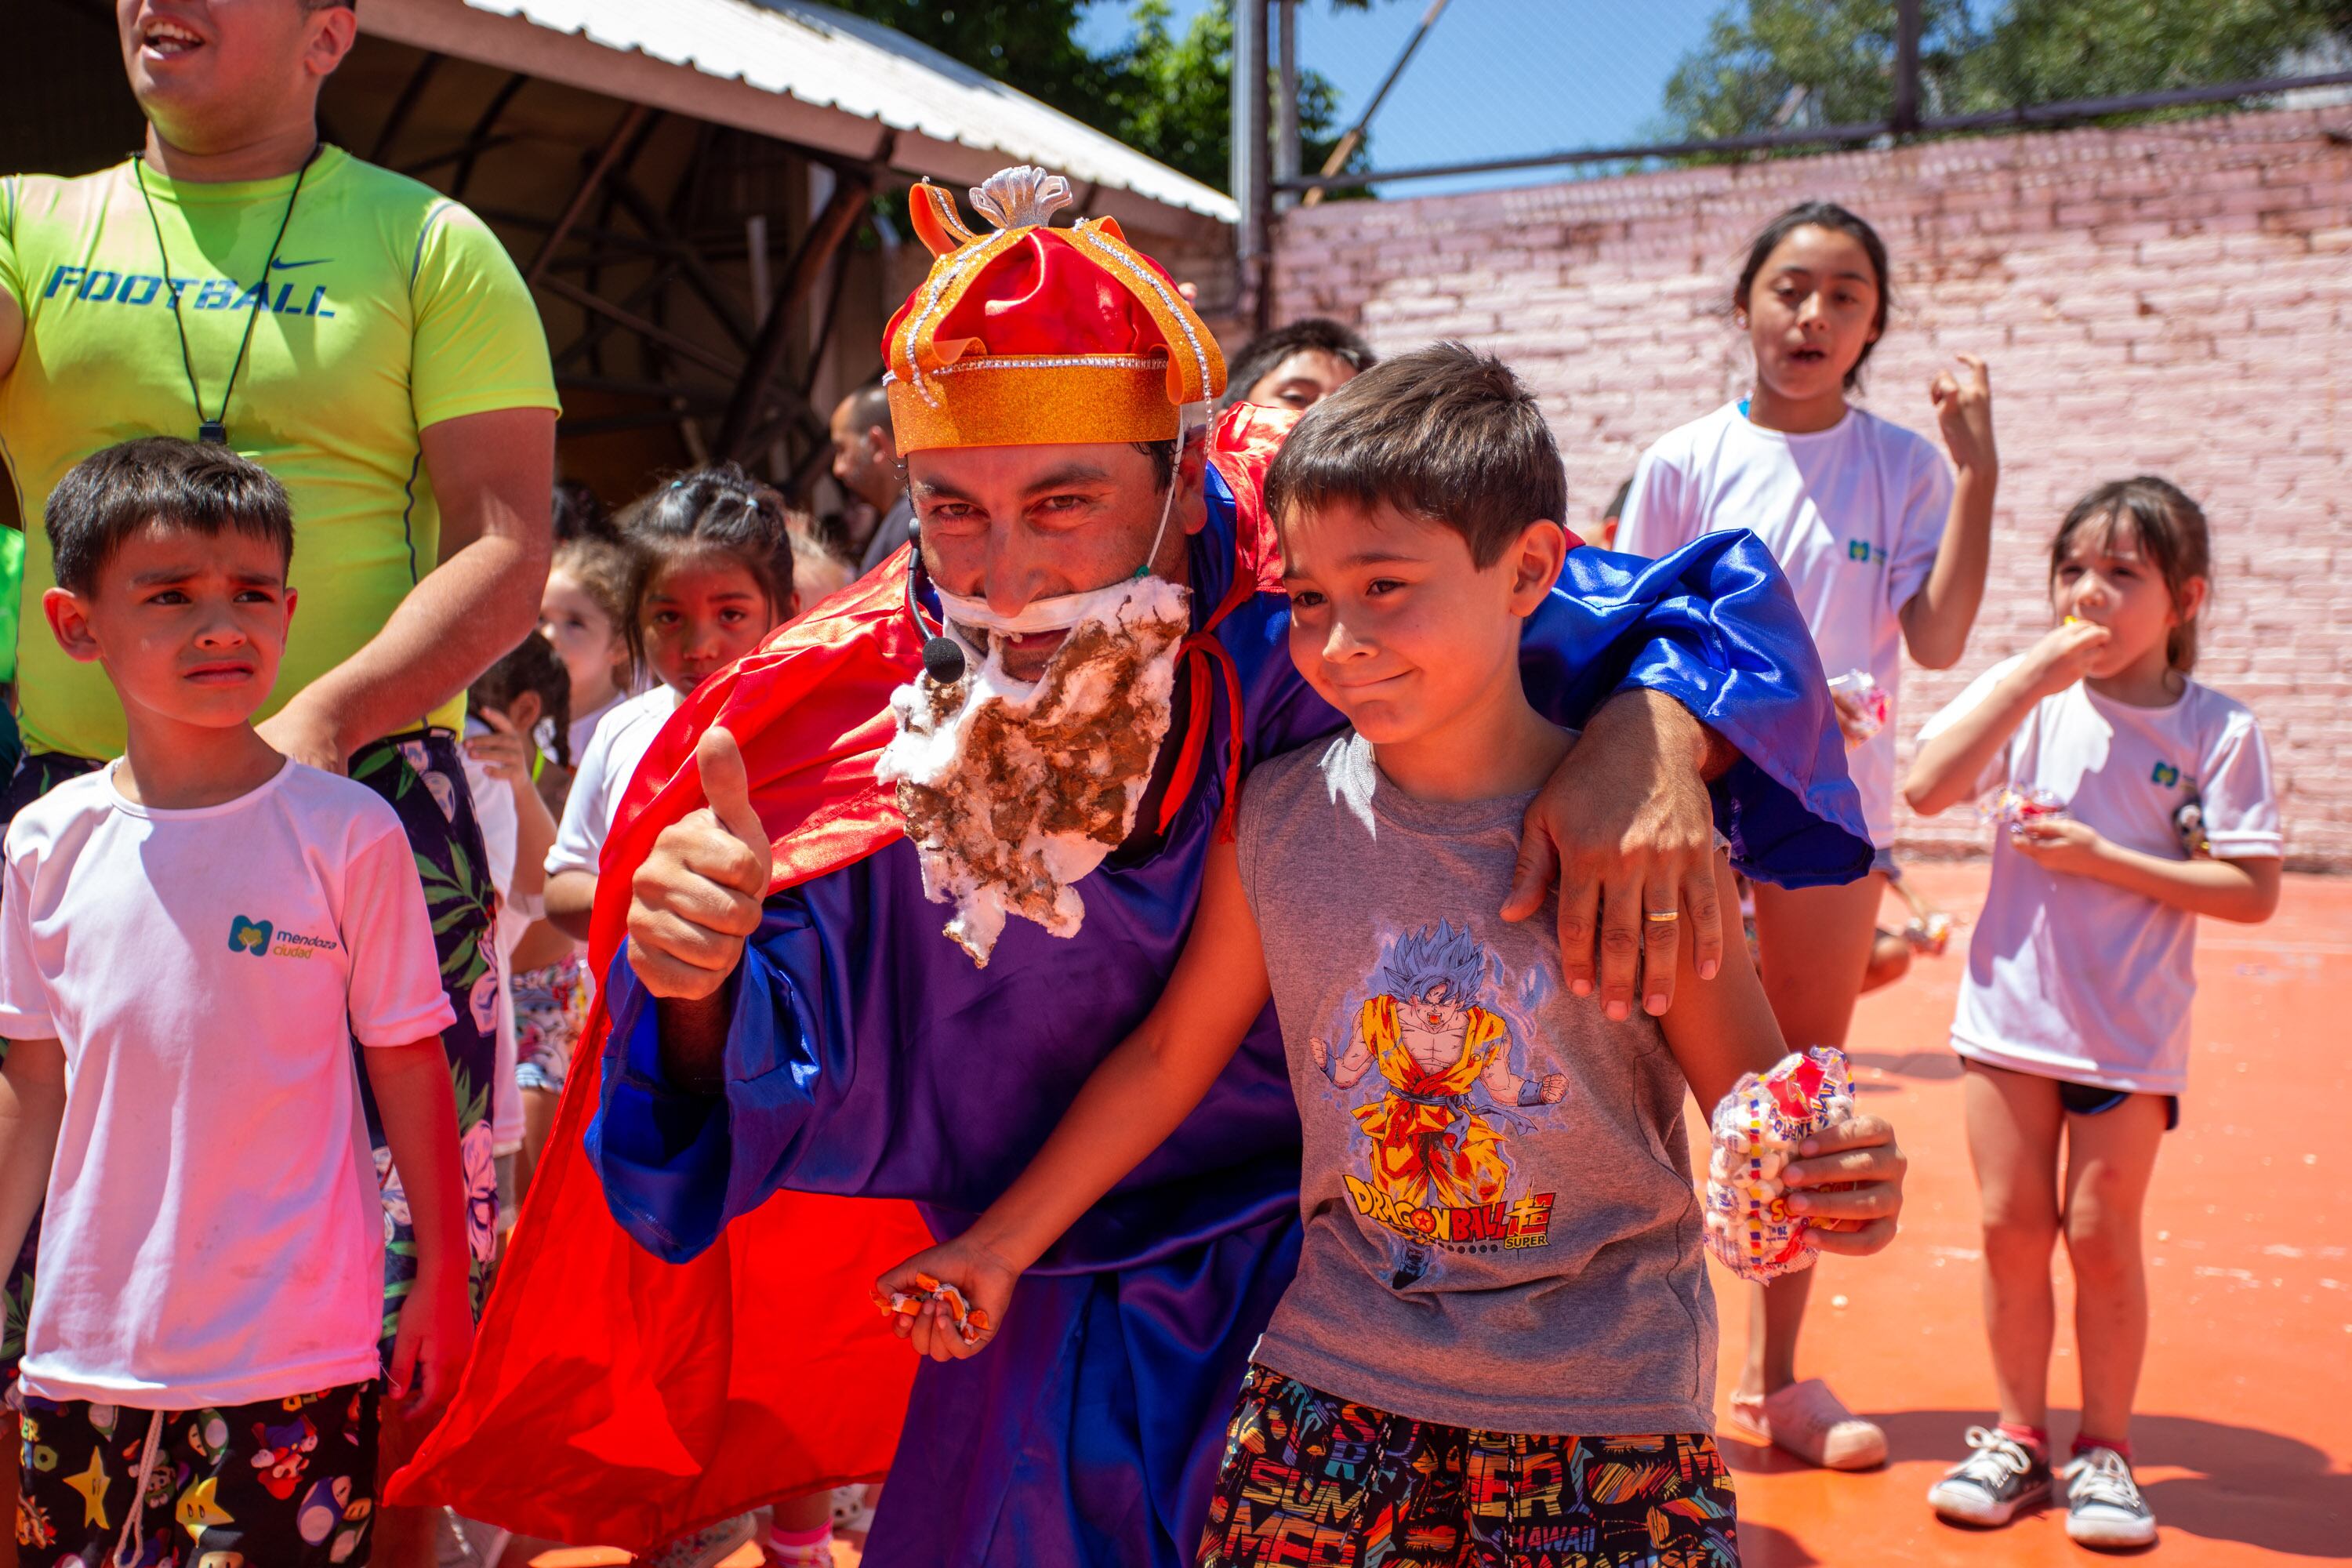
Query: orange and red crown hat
x: 1029, y: 335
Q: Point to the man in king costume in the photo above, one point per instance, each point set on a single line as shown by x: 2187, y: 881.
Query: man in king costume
x: 1025, y: 728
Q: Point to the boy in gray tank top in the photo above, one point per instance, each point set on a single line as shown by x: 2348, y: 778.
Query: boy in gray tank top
x: 1500, y: 1343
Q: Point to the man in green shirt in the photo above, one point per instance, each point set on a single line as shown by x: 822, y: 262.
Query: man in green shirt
x: 369, y: 341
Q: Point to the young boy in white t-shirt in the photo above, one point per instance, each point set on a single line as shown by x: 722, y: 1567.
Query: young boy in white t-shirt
x: 190, y: 940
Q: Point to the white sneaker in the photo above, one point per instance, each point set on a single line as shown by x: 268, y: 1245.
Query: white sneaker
x: 2104, y: 1506
x: 1999, y: 1478
x: 706, y: 1547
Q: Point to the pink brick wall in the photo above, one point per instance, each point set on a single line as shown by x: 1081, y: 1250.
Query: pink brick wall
x: 2173, y: 298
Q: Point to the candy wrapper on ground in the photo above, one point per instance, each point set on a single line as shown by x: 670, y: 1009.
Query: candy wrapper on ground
x: 1861, y: 704
x: 1758, y: 1130
x: 2012, y: 808
x: 971, y: 1322
x: 1930, y: 934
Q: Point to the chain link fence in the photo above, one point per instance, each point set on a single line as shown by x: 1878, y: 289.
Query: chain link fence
x: 1464, y: 94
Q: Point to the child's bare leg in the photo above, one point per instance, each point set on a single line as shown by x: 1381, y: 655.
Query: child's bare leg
x: 2014, y: 1121
x: 1813, y: 944
x: 538, y: 1125
x: 2109, y: 1158
x: 801, y: 1530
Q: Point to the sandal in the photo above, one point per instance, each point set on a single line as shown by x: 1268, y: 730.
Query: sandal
x: 1807, y: 1420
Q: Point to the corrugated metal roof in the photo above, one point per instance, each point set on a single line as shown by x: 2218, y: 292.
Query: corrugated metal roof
x: 827, y: 59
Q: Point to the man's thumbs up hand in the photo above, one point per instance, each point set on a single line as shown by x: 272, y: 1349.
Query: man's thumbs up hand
x: 697, y: 895
x: 729, y: 791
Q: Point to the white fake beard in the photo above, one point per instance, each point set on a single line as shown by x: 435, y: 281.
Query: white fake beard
x: 1014, y: 790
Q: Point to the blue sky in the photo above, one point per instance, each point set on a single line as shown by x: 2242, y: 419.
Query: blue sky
x: 1494, y: 79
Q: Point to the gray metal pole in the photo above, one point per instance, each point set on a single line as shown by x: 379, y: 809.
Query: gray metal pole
x: 1286, y: 103
x: 1905, y: 115
x: 1248, y: 94
x: 1252, y: 165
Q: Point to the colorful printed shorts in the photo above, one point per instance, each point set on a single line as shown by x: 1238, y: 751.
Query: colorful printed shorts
x: 1313, y: 1481
x: 283, y: 1483
x: 423, y: 775
x: 550, y: 1008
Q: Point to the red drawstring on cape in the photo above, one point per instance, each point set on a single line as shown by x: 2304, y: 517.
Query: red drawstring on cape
x: 1197, y: 722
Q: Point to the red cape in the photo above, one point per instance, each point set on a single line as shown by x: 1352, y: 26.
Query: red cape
x: 615, y: 1399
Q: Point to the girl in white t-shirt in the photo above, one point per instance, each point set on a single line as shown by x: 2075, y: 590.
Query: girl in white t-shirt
x: 1884, y: 551
x: 710, y: 576
x: 583, y: 612
x: 2074, y: 1018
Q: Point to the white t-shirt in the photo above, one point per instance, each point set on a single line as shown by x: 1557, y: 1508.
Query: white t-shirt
x: 214, y: 1233
x: 2073, y: 978
x: 494, y: 810
x: 1854, y: 514
x: 620, y: 743
x: 583, y: 725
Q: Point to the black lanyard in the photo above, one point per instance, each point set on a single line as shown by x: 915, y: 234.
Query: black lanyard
x: 213, y: 431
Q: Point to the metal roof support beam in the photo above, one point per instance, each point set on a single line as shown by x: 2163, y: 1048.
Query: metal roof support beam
x: 602, y: 166
x: 653, y: 332
x: 852, y: 190
x: 699, y: 275
x: 471, y: 149
x: 598, y: 328
x: 405, y: 105
x: 481, y: 134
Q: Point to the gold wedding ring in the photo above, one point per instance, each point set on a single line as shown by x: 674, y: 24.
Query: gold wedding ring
x: 1662, y: 916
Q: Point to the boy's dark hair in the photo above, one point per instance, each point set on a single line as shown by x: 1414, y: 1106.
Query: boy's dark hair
x: 1267, y: 350
x: 1823, y: 214
x: 2169, y: 530
x: 1445, y: 434
x: 716, y: 508
x: 530, y: 666
x: 110, y: 495
x: 579, y: 513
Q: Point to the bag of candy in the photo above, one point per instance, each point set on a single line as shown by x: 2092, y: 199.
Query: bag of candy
x: 1861, y: 705
x: 1757, y: 1130
x: 970, y: 1321
x: 2012, y: 808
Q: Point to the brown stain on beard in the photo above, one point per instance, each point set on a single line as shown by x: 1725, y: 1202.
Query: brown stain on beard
x: 1057, y: 769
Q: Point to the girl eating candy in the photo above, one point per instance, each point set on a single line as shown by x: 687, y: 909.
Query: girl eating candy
x: 2074, y: 1018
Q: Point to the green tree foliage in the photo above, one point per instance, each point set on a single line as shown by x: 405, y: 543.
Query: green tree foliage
x: 1164, y: 91
x: 1770, y: 63
x: 1031, y: 44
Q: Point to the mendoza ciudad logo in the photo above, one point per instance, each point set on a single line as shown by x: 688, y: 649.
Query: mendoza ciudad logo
x: 263, y: 940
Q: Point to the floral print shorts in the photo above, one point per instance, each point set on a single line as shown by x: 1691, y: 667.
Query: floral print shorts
x: 550, y: 1007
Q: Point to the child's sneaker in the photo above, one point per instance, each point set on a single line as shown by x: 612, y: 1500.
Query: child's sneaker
x: 2000, y: 1478
x: 706, y: 1547
x: 2104, y: 1506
